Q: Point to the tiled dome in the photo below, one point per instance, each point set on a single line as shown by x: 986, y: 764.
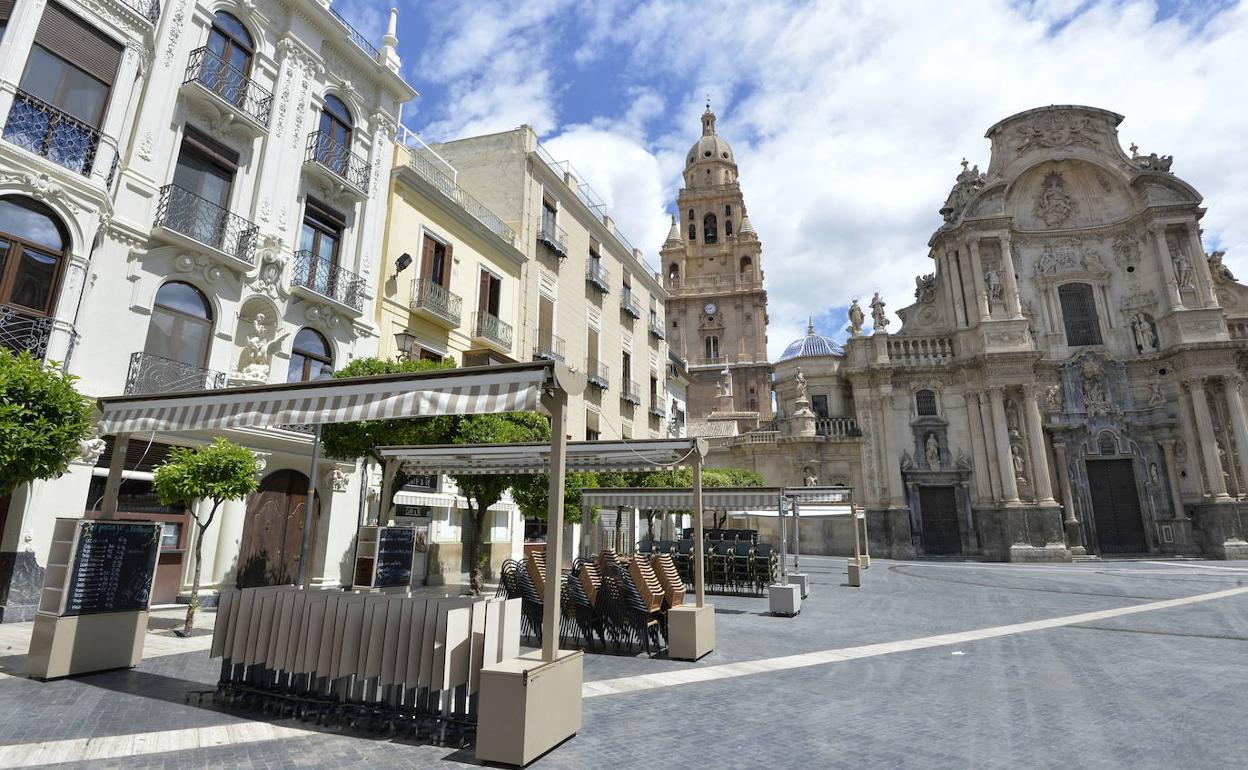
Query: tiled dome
x: 812, y: 345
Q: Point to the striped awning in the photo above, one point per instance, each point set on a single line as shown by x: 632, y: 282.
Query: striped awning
x: 678, y: 499
x: 810, y: 496
x: 495, y: 459
x: 472, y: 390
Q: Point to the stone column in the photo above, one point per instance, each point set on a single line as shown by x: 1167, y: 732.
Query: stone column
x: 977, y: 274
x: 1039, y: 456
x: 1001, y: 437
x: 232, y: 518
x: 111, y: 128
x: 975, y: 429
x: 1172, y: 475
x: 892, y: 459
x: 1208, y: 442
x: 1204, y: 278
x: 1012, y: 302
x: 985, y: 426
x: 1070, y: 522
x: 1239, y: 424
x: 1166, y: 265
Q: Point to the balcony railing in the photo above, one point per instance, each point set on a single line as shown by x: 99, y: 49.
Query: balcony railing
x: 201, y: 220
x: 486, y: 326
x: 656, y: 326
x: 447, y: 186
x: 837, y: 427
x: 630, y: 393
x: 356, y: 36
x: 157, y: 374
x: 628, y: 303
x: 333, y: 155
x: 22, y: 330
x: 598, y: 374
x: 657, y: 410
x: 921, y: 351
x: 597, y: 276
x: 208, y: 69
x: 550, y: 347
x: 51, y: 133
x: 553, y: 237
x: 328, y: 280
x: 436, y: 299
x: 715, y: 284
x: 150, y: 9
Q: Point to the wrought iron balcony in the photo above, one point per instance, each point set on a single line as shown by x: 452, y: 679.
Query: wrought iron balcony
x: 23, y: 330
x: 51, y: 133
x: 208, y: 69
x: 157, y: 374
x: 436, y: 300
x: 657, y: 410
x: 628, y: 303
x: 549, y: 347
x: 656, y: 326
x: 447, y: 186
x: 491, y: 328
x: 201, y: 220
x: 630, y: 393
x: 597, y: 276
x: 328, y: 153
x: 149, y: 9
x: 553, y: 237
x: 598, y: 374
x: 323, y: 277
x: 356, y: 36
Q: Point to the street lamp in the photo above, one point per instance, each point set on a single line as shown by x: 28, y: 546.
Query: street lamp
x: 405, y: 342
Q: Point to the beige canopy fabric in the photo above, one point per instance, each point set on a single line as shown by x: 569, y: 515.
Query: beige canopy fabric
x: 472, y: 390
x: 494, y: 459
x: 751, y: 501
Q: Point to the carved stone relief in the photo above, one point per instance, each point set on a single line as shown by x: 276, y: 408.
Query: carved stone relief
x: 1054, y: 206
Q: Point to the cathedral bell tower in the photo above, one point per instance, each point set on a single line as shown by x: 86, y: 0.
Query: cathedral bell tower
x: 717, y: 306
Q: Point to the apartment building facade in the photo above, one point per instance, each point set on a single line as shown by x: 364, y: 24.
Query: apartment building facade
x: 195, y: 196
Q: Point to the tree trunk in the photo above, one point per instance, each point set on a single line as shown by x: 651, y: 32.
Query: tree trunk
x: 475, y: 581
x: 193, y: 605
x: 619, y: 535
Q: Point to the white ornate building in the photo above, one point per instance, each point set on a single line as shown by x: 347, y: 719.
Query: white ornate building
x: 197, y: 193
x: 1068, y: 380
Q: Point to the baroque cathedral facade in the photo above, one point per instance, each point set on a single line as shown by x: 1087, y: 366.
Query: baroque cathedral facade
x: 1068, y: 380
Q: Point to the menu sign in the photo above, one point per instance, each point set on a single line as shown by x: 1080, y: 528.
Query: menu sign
x: 113, y: 567
x: 394, y: 556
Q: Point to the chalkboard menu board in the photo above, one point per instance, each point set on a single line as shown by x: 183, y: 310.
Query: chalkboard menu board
x: 394, y: 556
x: 113, y: 567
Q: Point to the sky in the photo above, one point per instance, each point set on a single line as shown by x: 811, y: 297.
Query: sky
x: 848, y: 119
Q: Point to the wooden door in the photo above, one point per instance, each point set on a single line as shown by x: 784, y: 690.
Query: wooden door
x: 273, y: 532
x: 938, y: 508
x: 1116, y: 507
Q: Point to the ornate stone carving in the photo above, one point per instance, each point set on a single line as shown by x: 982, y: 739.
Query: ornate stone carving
x: 1145, y: 332
x: 268, y: 278
x: 925, y: 288
x: 1018, y: 462
x: 809, y: 477
x: 1183, y: 272
x: 205, y: 267
x: 856, y: 318
x: 1068, y: 256
x: 1053, y: 399
x: 323, y: 316
x: 1055, y: 129
x: 1140, y: 299
x: 1156, y: 397
x: 1220, y: 272
x: 43, y: 187
x: 906, y: 461
x: 963, y: 462
x: 90, y: 449
x: 968, y: 183
x: 879, y: 320
x: 1151, y: 162
x: 992, y: 282
x: 1126, y: 251
x: 931, y: 448
x: 176, y: 24
x: 1054, y: 206
x: 253, y: 362
x: 146, y: 146
x: 1095, y: 399
x: 338, y: 479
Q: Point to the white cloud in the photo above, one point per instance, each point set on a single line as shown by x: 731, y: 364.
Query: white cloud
x: 848, y: 121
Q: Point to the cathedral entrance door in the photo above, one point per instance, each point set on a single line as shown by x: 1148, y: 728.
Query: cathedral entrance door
x: 1116, y: 507
x: 938, y: 509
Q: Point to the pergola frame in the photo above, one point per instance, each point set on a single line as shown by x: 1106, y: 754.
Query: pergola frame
x: 605, y: 456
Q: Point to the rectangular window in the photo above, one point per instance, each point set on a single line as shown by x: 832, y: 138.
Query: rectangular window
x: 545, y: 322
x: 436, y: 262
x: 490, y: 297
x: 1079, y: 314
x: 626, y: 368
x: 820, y: 406
x: 205, y: 169
x: 548, y: 217
x: 654, y: 391
x: 591, y: 351
x: 595, y: 250
x: 71, y: 65
x: 592, y: 431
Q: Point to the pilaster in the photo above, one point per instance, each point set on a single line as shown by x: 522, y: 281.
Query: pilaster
x: 1208, y: 441
x: 1009, y: 485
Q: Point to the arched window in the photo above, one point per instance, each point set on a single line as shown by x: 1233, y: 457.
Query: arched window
x: 32, y: 250
x: 710, y: 229
x: 712, y: 348
x: 925, y: 403
x: 727, y: 211
x: 310, y: 358
x: 1107, y: 443
x: 333, y: 144
x: 673, y: 272
x: 227, y: 64
x: 727, y: 227
x: 691, y: 216
x: 181, y: 325
x: 1079, y: 314
x: 693, y: 232
x: 747, y: 265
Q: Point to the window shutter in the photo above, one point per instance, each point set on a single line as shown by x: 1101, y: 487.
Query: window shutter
x: 446, y: 264
x: 483, y: 293
x: 6, y: 9
x: 426, y: 258
x: 77, y: 42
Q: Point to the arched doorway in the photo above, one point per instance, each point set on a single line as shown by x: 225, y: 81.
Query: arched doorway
x: 273, y: 531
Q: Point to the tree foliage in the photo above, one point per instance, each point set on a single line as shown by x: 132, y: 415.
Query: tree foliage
x: 218, y: 472
x: 42, y: 419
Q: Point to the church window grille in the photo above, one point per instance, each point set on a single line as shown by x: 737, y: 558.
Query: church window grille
x: 1107, y: 443
x: 691, y: 215
x: 712, y: 348
x: 925, y: 403
x: 693, y: 232
x: 1079, y: 314
x: 727, y: 227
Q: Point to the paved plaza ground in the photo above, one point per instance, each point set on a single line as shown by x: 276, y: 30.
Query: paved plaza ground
x: 930, y: 664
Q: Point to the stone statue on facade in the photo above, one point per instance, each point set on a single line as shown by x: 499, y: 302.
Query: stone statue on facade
x: 723, y: 386
x: 879, y: 320
x: 1019, y: 463
x: 1144, y: 331
x: 1053, y: 400
x: 809, y: 477
x: 253, y: 363
x: 1053, y: 205
x: 1094, y: 396
x: 800, y: 381
x: 856, y: 318
x: 993, y: 284
x: 925, y: 288
x: 1220, y: 272
x: 1183, y: 270
x: 1156, y: 397
x: 906, y: 461
x: 932, y: 450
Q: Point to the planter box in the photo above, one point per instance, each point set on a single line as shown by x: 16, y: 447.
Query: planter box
x: 785, y: 600
x: 528, y: 707
x: 691, y: 632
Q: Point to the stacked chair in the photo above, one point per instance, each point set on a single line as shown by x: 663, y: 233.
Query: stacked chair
x: 390, y: 663
x: 734, y: 565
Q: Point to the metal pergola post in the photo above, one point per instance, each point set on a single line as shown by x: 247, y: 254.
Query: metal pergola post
x: 857, y: 550
x: 112, y: 485
x: 699, y: 560
x: 784, y: 545
x: 797, y: 536
x: 557, y: 404
x: 308, y: 509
